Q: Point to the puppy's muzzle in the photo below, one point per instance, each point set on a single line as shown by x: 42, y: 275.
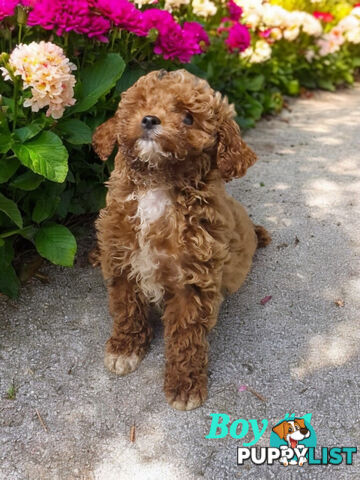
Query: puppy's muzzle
x: 149, y: 122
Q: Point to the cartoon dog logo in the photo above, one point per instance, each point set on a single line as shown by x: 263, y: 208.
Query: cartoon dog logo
x: 292, y: 432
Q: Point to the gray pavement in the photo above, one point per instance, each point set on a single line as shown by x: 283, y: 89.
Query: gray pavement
x: 299, y: 352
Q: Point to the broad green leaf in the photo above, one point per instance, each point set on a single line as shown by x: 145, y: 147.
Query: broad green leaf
x: 128, y: 78
x: 8, y: 167
x: 5, y: 143
x: 57, y: 244
x: 11, y: 210
x: 6, y: 253
x: 6, y: 140
x: 326, y: 84
x: 44, y: 208
x: 28, y: 232
x: 27, y: 181
x: 75, y: 131
x: 9, y: 282
x: 254, y: 84
x: 30, y: 131
x: 45, y: 155
x: 98, y: 79
x: 293, y: 87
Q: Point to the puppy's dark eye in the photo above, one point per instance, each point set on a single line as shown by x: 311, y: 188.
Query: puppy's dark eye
x: 188, y: 120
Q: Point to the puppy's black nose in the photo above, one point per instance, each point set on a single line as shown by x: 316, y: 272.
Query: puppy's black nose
x: 149, y: 122
x: 304, y: 430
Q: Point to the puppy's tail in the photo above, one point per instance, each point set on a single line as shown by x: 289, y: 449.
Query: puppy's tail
x: 263, y: 236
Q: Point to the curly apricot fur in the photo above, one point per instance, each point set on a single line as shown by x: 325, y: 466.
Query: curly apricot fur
x: 170, y: 233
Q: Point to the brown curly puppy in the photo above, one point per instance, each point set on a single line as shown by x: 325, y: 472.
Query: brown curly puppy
x: 170, y: 234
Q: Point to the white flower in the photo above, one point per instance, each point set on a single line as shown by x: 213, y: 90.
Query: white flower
x: 140, y: 3
x: 353, y: 36
x: 356, y: 11
x: 309, y: 55
x: 276, y: 34
x: 204, y: 8
x: 44, y: 68
x: 349, y: 23
x: 291, y: 33
x: 273, y: 15
x: 259, y: 54
x: 252, y: 11
x: 330, y: 42
x: 311, y: 25
x: 171, y: 5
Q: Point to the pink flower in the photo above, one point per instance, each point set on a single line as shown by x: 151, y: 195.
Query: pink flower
x: 234, y: 10
x: 173, y: 41
x: 197, y: 31
x: 265, y: 33
x: 326, y: 17
x: 72, y: 15
x: 123, y: 14
x: 7, y: 8
x: 238, y: 39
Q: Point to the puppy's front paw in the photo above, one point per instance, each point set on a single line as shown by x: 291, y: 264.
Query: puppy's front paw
x: 121, y: 364
x: 183, y: 398
x: 191, y: 401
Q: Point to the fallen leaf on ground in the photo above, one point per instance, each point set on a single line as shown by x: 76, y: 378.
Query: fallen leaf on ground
x: 264, y: 300
x: 340, y: 303
x: 242, y: 388
x: 132, y: 434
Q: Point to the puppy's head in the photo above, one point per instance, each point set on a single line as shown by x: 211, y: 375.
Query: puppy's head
x: 292, y: 431
x: 169, y: 118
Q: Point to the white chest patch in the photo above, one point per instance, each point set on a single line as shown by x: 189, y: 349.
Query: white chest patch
x: 152, y: 205
x: 145, y: 261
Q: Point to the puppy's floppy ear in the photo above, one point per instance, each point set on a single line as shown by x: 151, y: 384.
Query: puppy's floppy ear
x: 300, y: 422
x: 234, y: 157
x: 280, y: 429
x: 104, y: 138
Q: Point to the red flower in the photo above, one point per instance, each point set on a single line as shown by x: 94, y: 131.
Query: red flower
x: 234, y: 10
x: 326, y: 17
x: 238, y: 39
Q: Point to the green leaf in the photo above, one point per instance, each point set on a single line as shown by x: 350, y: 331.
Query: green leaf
x: 5, y: 142
x: 27, y: 181
x: 9, y: 282
x: 11, y: 210
x: 44, y: 208
x: 254, y: 84
x: 30, y: 131
x: 45, y: 155
x: 57, y: 244
x: 75, y: 131
x: 128, y: 78
x: 326, y: 84
x: 8, y: 167
x: 293, y: 87
x: 98, y: 79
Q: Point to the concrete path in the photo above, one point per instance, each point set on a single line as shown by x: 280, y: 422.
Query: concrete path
x: 299, y: 352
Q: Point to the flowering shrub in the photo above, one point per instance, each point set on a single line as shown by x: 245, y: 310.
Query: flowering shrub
x: 64, y: 64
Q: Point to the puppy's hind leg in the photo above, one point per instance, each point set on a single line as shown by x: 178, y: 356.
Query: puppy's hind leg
x: 263, y: 236
x: 131, y: 331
